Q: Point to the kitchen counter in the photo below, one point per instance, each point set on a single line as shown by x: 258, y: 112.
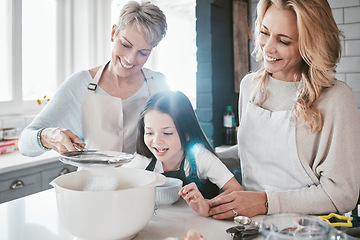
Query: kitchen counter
x: 36, y: 217
x: 21, y: 176
x: 15, y: 161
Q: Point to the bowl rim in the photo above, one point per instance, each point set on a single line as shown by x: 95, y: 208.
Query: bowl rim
x: 154, y: 178
x: 178, y: 183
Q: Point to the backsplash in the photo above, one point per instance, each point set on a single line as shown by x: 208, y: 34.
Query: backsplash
x: 19, y: 121
x: 10, y: 129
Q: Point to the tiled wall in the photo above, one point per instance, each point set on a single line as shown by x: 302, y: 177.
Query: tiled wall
x: 347, y: 16
x: 215, y: 73
x: 19, y: 122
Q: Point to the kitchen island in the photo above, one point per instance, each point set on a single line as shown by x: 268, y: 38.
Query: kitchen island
x: 36, y: 217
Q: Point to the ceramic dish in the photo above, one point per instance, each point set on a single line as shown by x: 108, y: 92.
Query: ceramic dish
x: 100, y: 214
x: 167, y: 194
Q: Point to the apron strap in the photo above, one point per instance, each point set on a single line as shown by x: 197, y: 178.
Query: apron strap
x: 207, y: 188
x: 180, y: 174
x: 151, y: 165
x: 149, y: 80
x: 93, y: 85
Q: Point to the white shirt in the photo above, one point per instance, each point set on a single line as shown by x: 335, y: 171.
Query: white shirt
x: 208, y: 166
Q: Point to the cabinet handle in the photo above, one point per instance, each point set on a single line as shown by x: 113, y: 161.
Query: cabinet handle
x: 64, y: 171
x: 17, y: 184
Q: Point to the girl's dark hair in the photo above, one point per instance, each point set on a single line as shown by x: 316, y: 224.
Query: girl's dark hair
x: 179, y: 108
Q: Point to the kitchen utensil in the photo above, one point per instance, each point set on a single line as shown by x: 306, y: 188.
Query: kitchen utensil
x: 337, y: 220
x: 95, y: 158
x: 246, y: 228
x: 243, y: 220
x: 168, y: 193
x: 79, y: 147
x: 286, y: 226
x: 242, y: 232
x: 110, y: 214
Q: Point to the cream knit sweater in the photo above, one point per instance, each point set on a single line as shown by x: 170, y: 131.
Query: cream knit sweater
x: 331, y: 157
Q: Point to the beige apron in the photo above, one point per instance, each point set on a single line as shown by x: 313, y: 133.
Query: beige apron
x: 110, y: 123
x: 268, y: 152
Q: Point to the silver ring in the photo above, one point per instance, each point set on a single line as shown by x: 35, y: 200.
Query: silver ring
x: 234, y: 212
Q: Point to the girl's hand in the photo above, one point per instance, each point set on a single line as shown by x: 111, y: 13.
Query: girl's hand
x: 244, y: 203
x: 194, y: 198
x: 61, y: 140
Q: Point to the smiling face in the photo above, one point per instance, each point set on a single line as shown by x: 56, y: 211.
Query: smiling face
x: 279, y: 43
x: 130, y: 51
x: 162, y: 139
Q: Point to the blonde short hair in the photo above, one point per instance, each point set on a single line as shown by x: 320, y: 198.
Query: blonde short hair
x: 147, y: 17
x: 319, y: 47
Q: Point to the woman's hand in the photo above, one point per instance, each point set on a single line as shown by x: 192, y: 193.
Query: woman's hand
x: 244, y: 203
x: 61, y: 140
x: 195, y: 199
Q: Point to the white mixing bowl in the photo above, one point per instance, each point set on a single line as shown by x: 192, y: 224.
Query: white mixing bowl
x: 168, y: 193
x: 119, y: 210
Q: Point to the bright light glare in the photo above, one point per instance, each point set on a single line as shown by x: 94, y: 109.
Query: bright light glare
x: 6, y: 86
x: 39, y: 48
x: 175, y: 56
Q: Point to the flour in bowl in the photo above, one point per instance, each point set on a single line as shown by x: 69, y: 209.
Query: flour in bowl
x: 100, y: 182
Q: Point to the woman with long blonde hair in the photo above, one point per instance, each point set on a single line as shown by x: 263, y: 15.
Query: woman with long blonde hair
x: 299, y: 131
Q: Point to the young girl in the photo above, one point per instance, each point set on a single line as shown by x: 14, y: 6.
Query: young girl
x: 171, y: 141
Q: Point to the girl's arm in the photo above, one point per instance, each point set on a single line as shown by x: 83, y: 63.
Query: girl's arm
x: 230, y: 186
x: 196, y: 201
x: 191, y: 194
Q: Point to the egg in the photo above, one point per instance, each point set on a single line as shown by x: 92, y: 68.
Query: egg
x: 192, y: 235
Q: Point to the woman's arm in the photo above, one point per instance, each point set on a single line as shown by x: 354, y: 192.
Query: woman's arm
x: 62, y: 111
x: 330, y: 157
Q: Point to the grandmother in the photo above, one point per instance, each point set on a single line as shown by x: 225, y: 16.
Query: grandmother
x: 99, y: 108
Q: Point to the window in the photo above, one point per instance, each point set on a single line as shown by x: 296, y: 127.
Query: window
x: 38, y: 48
x: 6, y: 88
x: 43, y: 42
x: 27, y: 54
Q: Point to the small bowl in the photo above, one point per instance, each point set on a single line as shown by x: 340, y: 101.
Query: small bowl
x: 168, y: 193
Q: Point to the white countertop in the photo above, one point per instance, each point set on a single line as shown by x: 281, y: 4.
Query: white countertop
x: 15, y: 161
x: 36, y: 217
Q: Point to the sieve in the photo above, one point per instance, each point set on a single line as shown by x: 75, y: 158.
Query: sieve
x: 95, y: 158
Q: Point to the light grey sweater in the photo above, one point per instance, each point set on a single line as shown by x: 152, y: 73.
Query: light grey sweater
x: 331, y: 157
x: 64, y: 109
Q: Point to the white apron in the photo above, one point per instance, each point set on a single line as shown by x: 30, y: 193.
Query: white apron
x: 268, y: 153
x: 110, y: 123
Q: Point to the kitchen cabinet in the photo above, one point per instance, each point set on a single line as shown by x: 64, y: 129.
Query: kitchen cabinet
x: 23, y: 182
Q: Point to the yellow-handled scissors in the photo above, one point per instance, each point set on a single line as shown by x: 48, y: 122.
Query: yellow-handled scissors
x: 337, y: 220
